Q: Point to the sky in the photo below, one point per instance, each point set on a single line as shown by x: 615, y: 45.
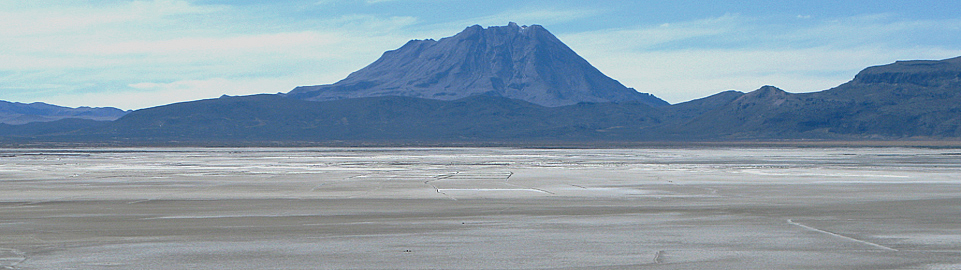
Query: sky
x: 139, y: 54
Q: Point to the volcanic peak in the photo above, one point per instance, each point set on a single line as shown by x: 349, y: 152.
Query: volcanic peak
x: 526, y: 63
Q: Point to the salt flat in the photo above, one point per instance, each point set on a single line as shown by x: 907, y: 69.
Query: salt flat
x: 480, y: 208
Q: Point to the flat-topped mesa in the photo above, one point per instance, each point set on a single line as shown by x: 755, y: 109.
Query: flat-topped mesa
x: 917, y: 72
x: 520, y: 62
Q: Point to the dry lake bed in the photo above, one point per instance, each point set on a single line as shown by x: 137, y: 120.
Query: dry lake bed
x: 480, y: 208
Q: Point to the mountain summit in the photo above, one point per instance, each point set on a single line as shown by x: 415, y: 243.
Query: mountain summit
x: 519, y: 62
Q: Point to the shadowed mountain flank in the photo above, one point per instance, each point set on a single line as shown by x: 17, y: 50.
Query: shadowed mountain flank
x: 518, y: 62
x: 906, y: 99
x: 16, y: 113
x: 376, y: 119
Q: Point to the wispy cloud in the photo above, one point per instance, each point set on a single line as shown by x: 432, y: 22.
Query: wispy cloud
x: 88, y: 53
x: 530, y: 15
x: 70, y: 19
x: 687, y: 60
x: 93, y: 52
x: 135, y: 54
x: 642, y: 38
x: 371, y: 24
x: 151, y: 94
x: 518, y: 14
x: 378, y: 1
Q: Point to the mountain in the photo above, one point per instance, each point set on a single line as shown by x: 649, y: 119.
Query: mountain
x: 15, y: 113
x: 691, y: 109
x: 518, y: 62
x: 376, y: 119
x: 61, y: 129
x: 906, y: 99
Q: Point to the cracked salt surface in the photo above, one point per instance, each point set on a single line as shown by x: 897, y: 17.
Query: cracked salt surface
x: 480, y: 208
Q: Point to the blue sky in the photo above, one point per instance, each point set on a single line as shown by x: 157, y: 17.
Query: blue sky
x: 137, y: 54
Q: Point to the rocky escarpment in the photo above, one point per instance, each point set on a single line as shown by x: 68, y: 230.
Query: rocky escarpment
x: 918, y: 72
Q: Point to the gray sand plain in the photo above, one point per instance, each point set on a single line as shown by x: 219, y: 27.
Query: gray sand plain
x: 480, y: 208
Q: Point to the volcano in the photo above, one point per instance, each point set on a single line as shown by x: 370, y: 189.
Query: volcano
x: 518, y: 62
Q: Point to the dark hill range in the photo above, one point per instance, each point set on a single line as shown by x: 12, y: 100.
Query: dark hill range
x: 905, y: 100
x: 518, y: 62
x: 900, y: 100
x: 15, y: 113
x: 376, y: 119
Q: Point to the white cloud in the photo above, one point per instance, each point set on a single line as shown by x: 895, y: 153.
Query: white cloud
x: 98, y: 53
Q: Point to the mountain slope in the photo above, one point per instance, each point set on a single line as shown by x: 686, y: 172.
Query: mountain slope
x: 15, y: 113
x: 525, y: 63
x: 904, y: 99
x: 393, y: 119
x: 900, y: 100
x: 62, y: 129
x: 691, y: 109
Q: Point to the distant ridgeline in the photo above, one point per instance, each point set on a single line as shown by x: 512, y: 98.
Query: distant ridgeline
x: 521, y: 84
x: 15, y: 113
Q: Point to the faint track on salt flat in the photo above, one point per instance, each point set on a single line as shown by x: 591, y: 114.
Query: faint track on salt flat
x: 438, y: 178
x: 490, y: 177
x: 790, y: 221
x: 508, y: 179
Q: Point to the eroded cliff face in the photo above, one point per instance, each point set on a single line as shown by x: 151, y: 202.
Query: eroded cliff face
x: 518, y: 62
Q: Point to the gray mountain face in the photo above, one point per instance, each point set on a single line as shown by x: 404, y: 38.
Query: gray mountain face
x: 16, y: 113
x: 518, y: 62
x: 906, y: 99
x: 927, y: 73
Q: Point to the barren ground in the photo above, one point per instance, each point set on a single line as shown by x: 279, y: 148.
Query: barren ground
x: 322, y: 208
